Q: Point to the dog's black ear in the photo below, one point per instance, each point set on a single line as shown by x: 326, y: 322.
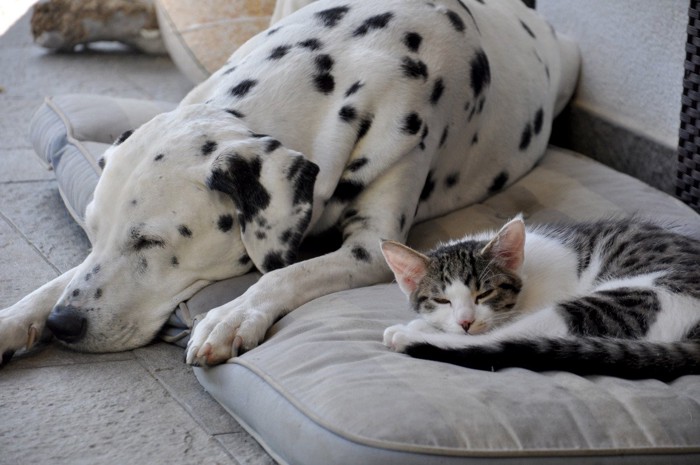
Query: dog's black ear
x: 272, y: 188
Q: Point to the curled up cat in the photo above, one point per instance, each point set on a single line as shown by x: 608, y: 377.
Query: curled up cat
x: 614, y: 297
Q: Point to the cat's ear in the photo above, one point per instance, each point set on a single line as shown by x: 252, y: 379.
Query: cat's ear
x: 409, y: 266
x: 508, y: 247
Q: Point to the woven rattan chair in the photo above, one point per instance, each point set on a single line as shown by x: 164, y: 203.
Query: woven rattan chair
x: 688, y: 178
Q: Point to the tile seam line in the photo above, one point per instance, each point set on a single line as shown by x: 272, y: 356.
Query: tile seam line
x: 172, y: 393
x: 14, y: 227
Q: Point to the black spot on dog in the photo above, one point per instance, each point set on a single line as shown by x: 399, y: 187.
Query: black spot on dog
x: 324, y: 63
x: 455, y: 20
x: 235, y: 113
x: 125, y: 135
x: 461, y: 3
x: 347, y: 190
x: 332, y: 16
x: 526, y: 137
x: 273, y: 31
x: 347, y: 113
x: 75, y: 293
x: 325, y: 83
x: 159, y: 157
x: 279, y: 52
x: 428, y: 187
x: 272, y: 145
x: 423, y: 137
x: 364, y: 127
x: 412, y: 40
x: 475, y: 139
x: 412, y: 124
x: 471, y: 113
x: 438, y: 89
x: 443, y: 138
x: 209, y: 147
x: 356, y: 164
x: 143, y: 242
x: 174, y: 262
x: 225, y: 223
x: 98, y: 293
x: 353, y: 88
x: 414, y: 69
x: 452, y: 180
x: 273, y: 261
x: 244, y: 260
x: 241, y: 180
x: 184, y: 231
x: 261, y: 235
x: 374, y: 22
x: 480, y: 72
x: 402, y: 222
x: 539, y: 121
x: 498, y: 182
x: 311, y: 44
x: 229, y: 71
x: 286, y: 236
x: 302, y: 173
x: 361, y: 254
x: 88, y: 277
x: 101, y: 163
x: 96, y: 269
x: 258, y: 135
x: 243, y: 87
x: 528, y: 30
x: 134, y: 202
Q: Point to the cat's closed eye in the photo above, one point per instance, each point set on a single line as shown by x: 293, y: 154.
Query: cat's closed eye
x: 483, y: 296
x: 441, y: 301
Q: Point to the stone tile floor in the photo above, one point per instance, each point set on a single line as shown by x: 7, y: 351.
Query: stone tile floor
x: 62, y: 407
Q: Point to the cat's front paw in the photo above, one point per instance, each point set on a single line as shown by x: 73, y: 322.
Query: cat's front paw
x: 399, y: 337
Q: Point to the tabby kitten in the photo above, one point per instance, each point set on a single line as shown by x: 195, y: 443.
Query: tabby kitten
x: 617, y: 297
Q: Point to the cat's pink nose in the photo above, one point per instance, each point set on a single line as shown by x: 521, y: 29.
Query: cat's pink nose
x: 465, y: 324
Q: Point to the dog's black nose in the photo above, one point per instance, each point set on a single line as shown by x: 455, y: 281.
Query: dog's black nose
x: 66, y: 323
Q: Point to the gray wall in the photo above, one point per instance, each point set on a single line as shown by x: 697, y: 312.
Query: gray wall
x: 633, y: 53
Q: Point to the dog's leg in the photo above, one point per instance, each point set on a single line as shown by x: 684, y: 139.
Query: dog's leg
x: 385, y: 210
x: 22, y: 324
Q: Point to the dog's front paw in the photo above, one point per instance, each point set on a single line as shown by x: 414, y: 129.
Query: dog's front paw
x: 17, y: 331
x: 224, y: 333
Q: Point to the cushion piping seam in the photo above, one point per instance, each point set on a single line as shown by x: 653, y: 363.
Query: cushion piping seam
x: 392, y: 445
x: 70, y: 137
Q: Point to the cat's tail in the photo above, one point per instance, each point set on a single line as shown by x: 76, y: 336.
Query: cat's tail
x: 623, y: 358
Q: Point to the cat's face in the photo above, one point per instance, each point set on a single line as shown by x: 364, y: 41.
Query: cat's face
x: 468, y: 299
x: 468, y: 286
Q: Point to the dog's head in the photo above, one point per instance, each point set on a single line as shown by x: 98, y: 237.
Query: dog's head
x: 191, y: 197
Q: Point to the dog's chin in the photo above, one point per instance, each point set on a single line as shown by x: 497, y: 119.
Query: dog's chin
x: 115, y: 342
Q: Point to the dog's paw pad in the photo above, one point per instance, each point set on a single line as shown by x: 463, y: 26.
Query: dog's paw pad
x: 6, y: 356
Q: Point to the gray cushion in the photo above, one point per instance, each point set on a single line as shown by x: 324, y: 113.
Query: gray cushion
x: 323, y: 389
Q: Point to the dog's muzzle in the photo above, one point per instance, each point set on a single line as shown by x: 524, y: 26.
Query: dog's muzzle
x: 66, y: 323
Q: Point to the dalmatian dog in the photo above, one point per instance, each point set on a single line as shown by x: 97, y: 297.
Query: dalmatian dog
x: 360, y: 117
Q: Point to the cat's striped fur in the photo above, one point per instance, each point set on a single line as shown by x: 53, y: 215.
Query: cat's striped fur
x: 614, y: 297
